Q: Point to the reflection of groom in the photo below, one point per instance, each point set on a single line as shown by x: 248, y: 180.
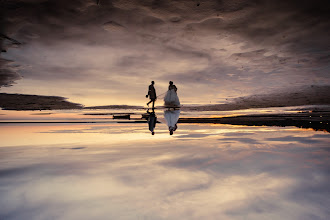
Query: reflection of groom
x: 152, y: 120
x: 152, y: 94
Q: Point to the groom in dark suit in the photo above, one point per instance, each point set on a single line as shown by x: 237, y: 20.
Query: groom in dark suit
x: 152, y: 94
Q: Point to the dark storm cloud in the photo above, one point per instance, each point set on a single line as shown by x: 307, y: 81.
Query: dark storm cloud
x: 7, y: 76
x: 286, y: 22
x: 229, y: 47
x: 254, y: 19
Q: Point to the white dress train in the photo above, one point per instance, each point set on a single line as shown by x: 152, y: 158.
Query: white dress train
x: 171, y: 99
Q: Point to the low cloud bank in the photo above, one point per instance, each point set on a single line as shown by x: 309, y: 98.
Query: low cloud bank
x: 313, y: 95
x: 35, y: 102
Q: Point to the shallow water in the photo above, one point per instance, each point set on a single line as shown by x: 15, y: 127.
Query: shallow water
x: 202, y: 171
x: 105, y: 115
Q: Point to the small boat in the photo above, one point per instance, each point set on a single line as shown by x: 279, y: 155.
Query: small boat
x: 126, y: 116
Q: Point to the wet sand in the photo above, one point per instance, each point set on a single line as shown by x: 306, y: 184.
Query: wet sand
x: 314, y: 120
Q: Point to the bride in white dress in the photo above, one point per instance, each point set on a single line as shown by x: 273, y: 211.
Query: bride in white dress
x: 171, y: 98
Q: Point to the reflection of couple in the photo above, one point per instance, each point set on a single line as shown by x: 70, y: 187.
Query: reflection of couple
x: 171, y: 118
x: 152, y: 120
x: 171, y: 99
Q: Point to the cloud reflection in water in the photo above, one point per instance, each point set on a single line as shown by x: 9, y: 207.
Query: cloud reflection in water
x: 212, y: 174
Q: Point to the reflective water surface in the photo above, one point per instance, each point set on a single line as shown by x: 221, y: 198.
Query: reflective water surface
x: 202, y: 171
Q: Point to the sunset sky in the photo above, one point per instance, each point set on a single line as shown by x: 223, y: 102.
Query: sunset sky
x: 107, y: 53
x: 249, y: 139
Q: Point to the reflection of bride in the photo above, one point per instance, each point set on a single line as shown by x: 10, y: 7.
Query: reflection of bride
x: 171, y: 98
x: 172, y: 118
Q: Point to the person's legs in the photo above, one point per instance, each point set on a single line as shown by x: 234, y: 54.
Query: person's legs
x: 153, y: 104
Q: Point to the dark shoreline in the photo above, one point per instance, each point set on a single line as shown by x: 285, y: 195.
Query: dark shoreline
x: 318, y: 121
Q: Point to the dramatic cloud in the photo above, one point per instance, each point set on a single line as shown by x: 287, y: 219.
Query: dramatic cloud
x: 7, y: 74
x: 106, y: 52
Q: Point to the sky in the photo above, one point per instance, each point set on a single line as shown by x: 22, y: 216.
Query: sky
x: 102, y: 52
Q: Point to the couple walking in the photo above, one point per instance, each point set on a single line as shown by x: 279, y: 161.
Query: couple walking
x: 171, y: 99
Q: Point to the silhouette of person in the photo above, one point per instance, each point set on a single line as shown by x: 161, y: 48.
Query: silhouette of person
x: 152, y: 120
x: 171, y: 99
x: 152, y: 94
x: 172, y: 86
